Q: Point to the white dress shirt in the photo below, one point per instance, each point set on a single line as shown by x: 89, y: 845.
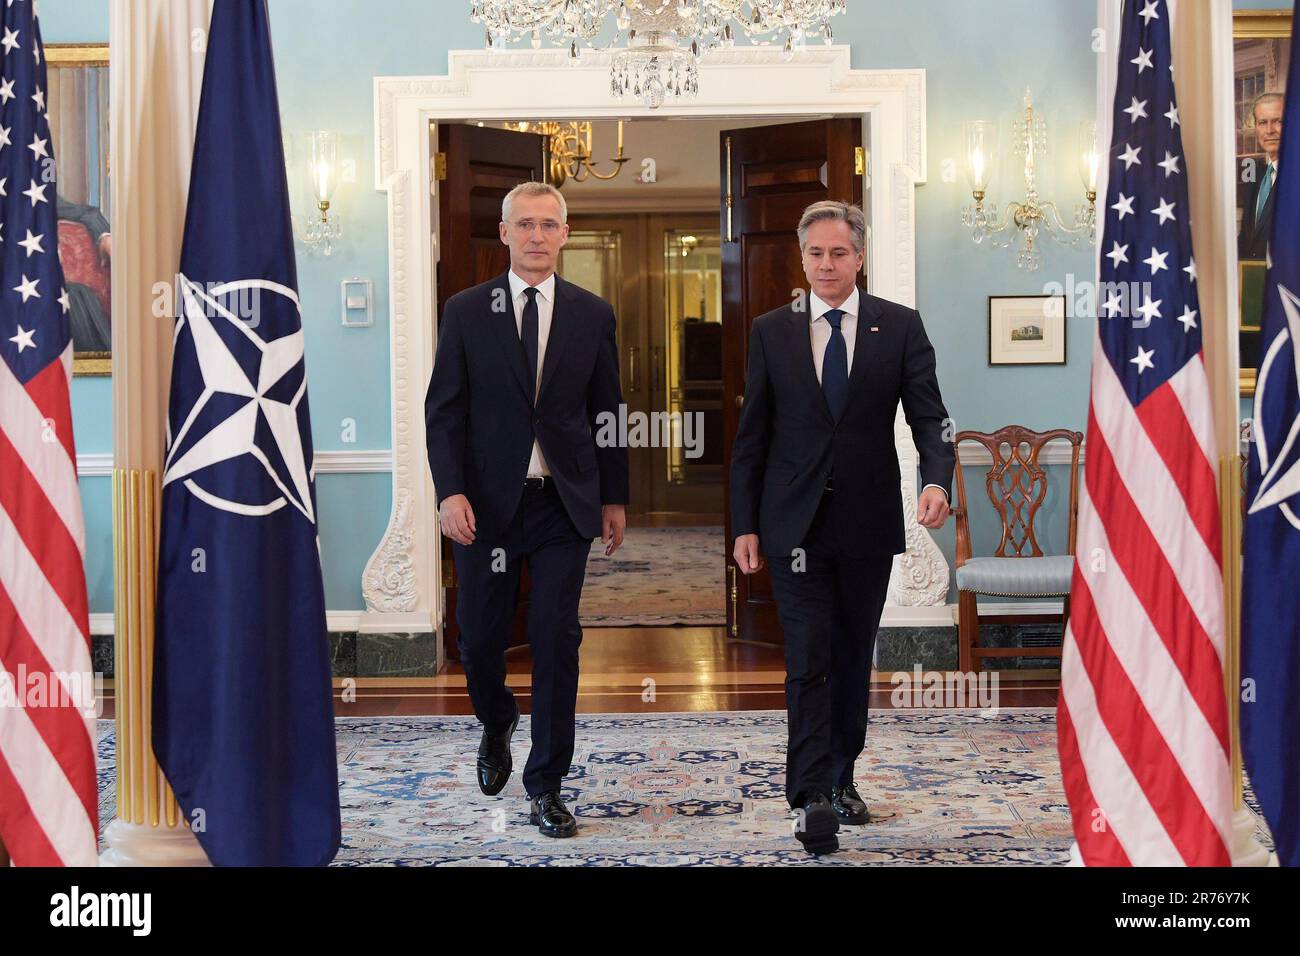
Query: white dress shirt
x: 819, y: 329
x: 545, y: 306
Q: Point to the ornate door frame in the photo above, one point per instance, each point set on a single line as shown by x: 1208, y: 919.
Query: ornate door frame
x: 401, y: 582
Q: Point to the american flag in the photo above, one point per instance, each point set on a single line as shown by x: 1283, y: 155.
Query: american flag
x: 1142, y: 717
x: 47, y: 766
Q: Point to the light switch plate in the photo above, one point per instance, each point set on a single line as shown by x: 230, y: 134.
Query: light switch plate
x: 357, y: 302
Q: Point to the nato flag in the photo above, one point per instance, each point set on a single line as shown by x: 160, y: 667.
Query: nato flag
x: 1270, y: 641
x: 243, y: 721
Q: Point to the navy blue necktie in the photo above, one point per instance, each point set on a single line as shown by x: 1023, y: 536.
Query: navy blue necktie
x: 528, y: 334
x: 835, y: 365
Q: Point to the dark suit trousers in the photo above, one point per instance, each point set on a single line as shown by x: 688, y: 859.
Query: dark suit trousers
x: 829, y: 611
x: 542, y: 534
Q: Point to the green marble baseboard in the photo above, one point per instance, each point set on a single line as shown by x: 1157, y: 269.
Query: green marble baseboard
x: 897, y: 649
x: 351, y: 654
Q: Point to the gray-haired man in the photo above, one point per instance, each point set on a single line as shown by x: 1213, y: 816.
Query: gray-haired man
x: 1257, y: 209
x: 526, y: 365
x: 815, y: 489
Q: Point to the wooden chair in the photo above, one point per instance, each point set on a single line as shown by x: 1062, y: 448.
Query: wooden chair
x: 1016, y: 485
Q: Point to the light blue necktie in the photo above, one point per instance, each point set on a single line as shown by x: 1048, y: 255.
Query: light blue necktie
x: 1265, y: 189
x: 835, y: 365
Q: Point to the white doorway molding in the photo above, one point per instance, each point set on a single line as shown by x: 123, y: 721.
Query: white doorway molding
x: 401, y: 582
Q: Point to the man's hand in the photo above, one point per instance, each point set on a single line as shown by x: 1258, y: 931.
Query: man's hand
x: 613, y: 522
x: 932, y: 508
x: 747, y: 555
x: 457, y: 519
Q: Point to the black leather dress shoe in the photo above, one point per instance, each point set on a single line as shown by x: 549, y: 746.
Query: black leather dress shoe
x: 818, y: 826
x: 494, y: 763
x: 550, y: 815
x: 849, y: 806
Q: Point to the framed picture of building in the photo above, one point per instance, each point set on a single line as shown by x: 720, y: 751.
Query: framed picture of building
x: 1026, y: 330
x: 1262, y: 62
x: 77, y: 103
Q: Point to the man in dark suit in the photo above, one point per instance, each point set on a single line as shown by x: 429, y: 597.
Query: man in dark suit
x: 815, y: 488
x: 526, y: 365
x: 1257, y: 209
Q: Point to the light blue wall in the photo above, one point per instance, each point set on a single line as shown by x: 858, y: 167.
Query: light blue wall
x: 327, y: 52
x: 976, y: 69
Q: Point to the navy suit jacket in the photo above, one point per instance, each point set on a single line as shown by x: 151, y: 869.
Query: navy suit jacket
x: 479, y: 420
x: 788, y: 443
x: 1252, y: 241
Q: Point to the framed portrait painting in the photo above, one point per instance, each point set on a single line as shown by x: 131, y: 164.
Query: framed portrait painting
x: 1026, y: 330
x: 77, y: 104
x: 1261, y: 44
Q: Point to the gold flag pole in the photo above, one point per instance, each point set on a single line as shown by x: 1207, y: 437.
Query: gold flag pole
x: 1202, y: 35
x: 150, y: 38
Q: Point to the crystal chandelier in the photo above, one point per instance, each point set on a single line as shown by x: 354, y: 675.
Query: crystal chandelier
x: 657, y: 44
x: 1026, y: 219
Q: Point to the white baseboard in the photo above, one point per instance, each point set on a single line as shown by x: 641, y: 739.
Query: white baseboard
x: 342, y: 621
x: 102, y: 622
x: 929, y: 615
x: 100, y: 464
x: 945, y: 615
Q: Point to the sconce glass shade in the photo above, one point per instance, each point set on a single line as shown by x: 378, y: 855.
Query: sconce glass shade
x: 981, y: 153
x: 324, y: 164
x: 1089, y: 155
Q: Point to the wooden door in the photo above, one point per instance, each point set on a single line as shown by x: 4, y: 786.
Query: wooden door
x: 474, y: 168
x: 769, y: 174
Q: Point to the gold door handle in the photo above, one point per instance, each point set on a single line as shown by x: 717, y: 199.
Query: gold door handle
x: 740, y: 400
x: 733, y: 592
x: 730, y: 199
x: 633, y: 360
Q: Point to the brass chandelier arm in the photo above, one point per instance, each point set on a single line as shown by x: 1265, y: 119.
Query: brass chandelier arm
x: 618, y: 168
x: 1081, y: 226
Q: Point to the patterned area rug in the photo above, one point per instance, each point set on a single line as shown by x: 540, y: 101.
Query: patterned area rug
x: 945, y: 787
x: 675, y: 572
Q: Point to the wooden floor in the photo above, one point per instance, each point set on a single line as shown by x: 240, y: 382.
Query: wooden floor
x: 644, y: 669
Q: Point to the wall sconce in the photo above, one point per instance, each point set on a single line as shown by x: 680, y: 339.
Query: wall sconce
x: 320, y: 232
x: 1023, y: 220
